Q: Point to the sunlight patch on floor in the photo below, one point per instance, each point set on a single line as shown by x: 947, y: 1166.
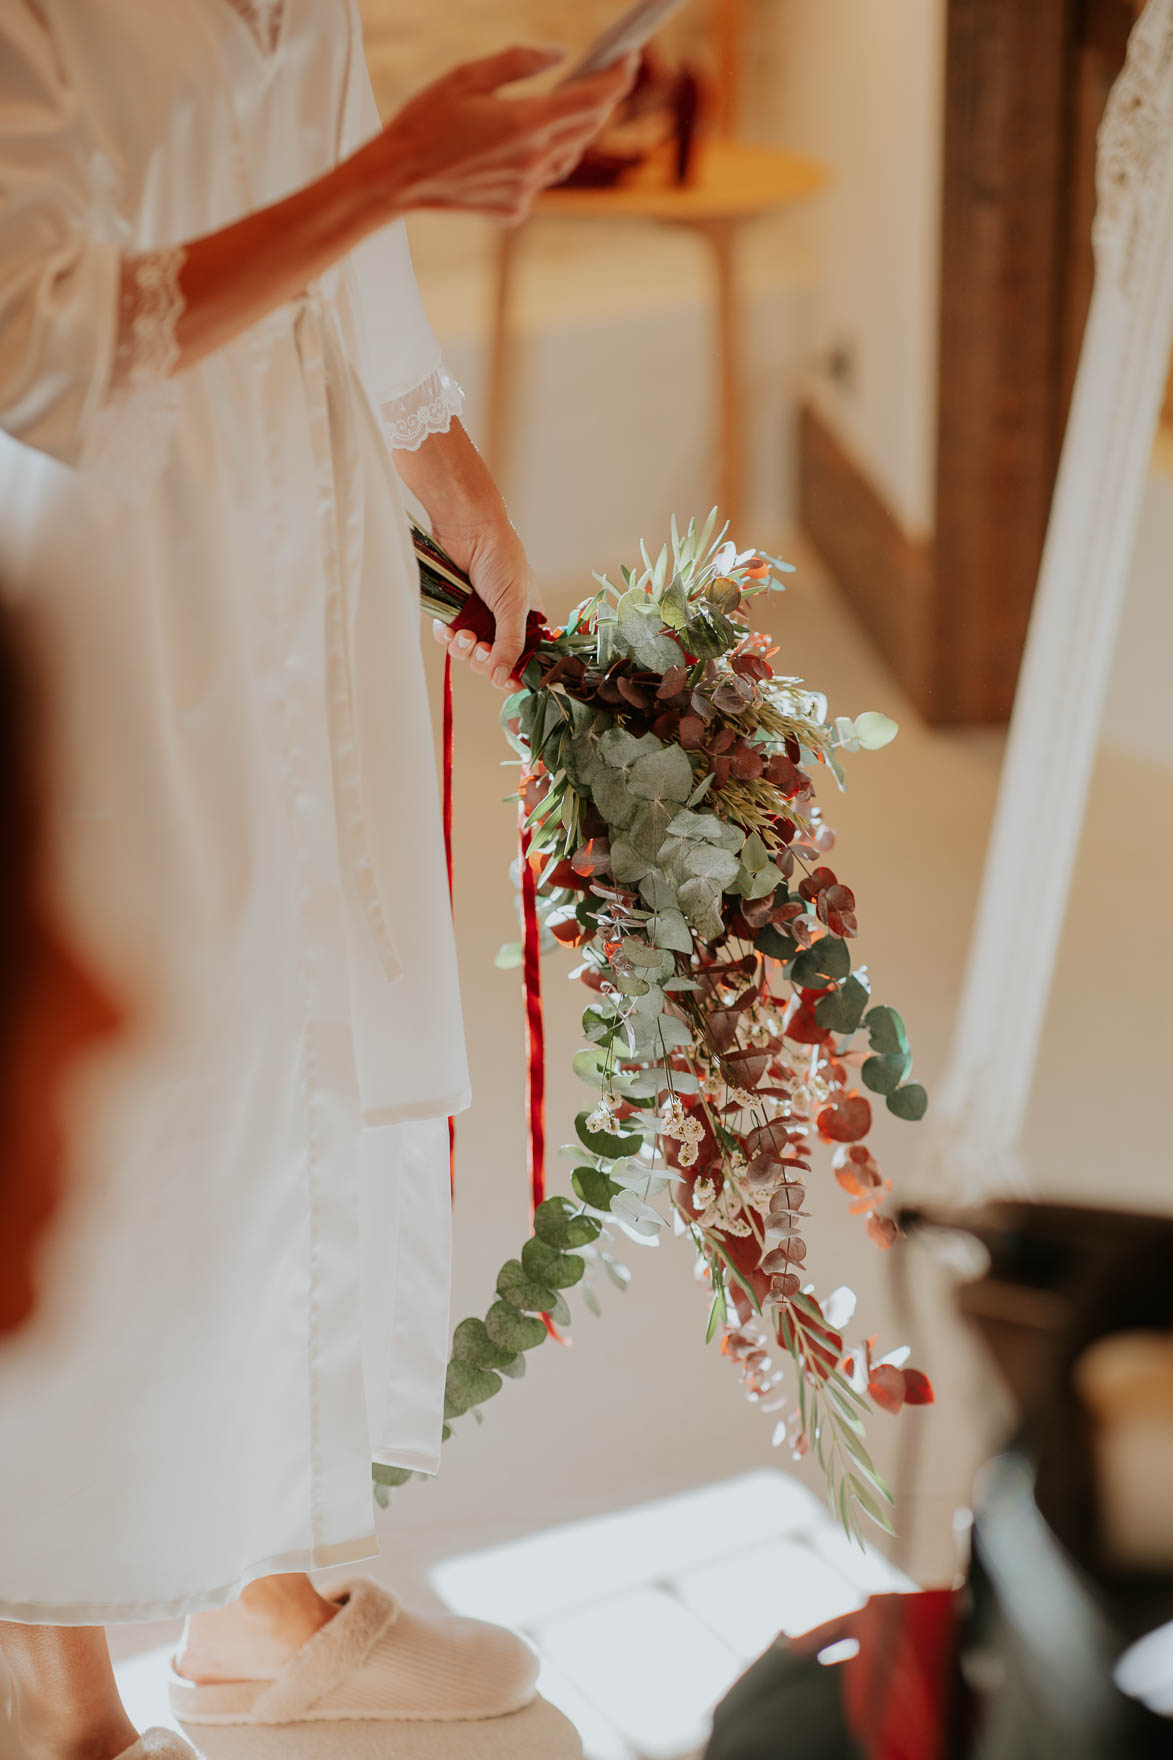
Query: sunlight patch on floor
x: 644, y: 1619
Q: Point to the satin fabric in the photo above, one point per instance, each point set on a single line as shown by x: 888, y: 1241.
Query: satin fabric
x: 249, y: 1296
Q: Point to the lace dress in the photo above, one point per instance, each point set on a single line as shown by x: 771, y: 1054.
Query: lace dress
x: 249, y: 1296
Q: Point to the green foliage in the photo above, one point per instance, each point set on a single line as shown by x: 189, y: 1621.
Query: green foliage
x: 602, y: 1143
x: 883, y: 1075
x: 514, y: 1285
x: 472, y: 1345
x: 827, y: 962
x: 594, y: 1187
x: 842, y: 1010
x: 465, y: 1387
x: 910, y: 1102
x: 513, y: 1330
x: 559, y: 1225
x: 546, y: 1265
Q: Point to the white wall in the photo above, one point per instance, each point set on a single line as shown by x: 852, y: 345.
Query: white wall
x: 859, y: 84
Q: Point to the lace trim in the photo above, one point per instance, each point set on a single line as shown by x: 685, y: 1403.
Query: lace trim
x: 127, y: 444
x: 150, y: 305
x: 1133, y: 135
x: 263, y: 18
x: 428, y: 408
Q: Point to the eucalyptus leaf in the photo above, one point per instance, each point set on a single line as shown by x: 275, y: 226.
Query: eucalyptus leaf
x: 558, y: 1224
x: 669, y: 929
x: 465, y: 1387
x: 665, y: 776
x: 627, y: 864
x: 514, y: 1285
x: 910, y: 1102
x: 594, y: 1187
x: 471, y: 1344
x: 546, y: 1265
x: 390, y: 1477
x: 657, y: 890
x: 513, y: 1330
x: 886, y: 1031
x: 842, y: 1010
x: 828, y: 961
x: 609, y: 1145
x: 775, y: 945
x: 883, y: 1075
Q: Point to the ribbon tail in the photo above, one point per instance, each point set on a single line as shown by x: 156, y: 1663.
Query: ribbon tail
x: 535, y: 1029
x: 447, y: 814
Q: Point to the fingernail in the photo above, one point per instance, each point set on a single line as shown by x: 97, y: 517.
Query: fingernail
x: 464, y: 641
x: 483, y: 652
x: 501, y: 677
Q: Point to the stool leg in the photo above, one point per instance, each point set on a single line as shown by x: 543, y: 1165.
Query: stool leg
x: 501, y: 347
x: 722, y: 240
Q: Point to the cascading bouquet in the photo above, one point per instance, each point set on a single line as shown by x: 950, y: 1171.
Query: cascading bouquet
x: 670, y: 834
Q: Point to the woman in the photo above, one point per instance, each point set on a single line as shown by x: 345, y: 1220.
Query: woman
x: 209, y: 340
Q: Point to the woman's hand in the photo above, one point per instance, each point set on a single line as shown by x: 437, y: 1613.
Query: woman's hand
x: 494, y: 558
x: 469, y: 518
x: 460, y: 144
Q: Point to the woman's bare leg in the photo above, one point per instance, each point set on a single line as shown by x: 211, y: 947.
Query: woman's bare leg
x: 69, y: 1707
x: 253, y: 1638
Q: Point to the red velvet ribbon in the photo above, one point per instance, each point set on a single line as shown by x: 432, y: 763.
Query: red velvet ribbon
x: 447, y: 773
x: 477, y: 618
x: 535, y: 1026
x: 480, y: 622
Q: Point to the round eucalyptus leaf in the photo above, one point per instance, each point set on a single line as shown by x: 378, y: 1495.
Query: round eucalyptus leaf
x: 910, y: 1102
x: 546, y: 1265
x: 465, y: 1387
x: 594, y: 1187
x: 471, y: 1344
x: 513, y: 1330
x: 516, y: 1286
x: 556, y: 1223
x: 883, y: 1075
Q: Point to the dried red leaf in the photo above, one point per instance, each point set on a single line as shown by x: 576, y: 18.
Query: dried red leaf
x: 745, y: 762
x: 672, y: 683
x: 692, y: 732
x: 918, y: 1389
x: 817, y: 882
x: 883, y: 1230
x: 847, y: 1120
x: 886, y: 1387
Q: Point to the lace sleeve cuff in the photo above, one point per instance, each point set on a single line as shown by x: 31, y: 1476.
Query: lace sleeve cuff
x: 428, y: 408
x: 125, y: 449
x: 149, y: 308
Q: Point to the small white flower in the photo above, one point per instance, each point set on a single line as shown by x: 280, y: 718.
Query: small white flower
x: 688, y: 1154
x: 741, y: 1097
x: 672, y: 1117
x: 691, y: 1130
x: 603, y: 1119
x: 704, y: 1193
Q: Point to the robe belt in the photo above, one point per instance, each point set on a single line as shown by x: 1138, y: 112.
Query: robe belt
x: 327, y: 377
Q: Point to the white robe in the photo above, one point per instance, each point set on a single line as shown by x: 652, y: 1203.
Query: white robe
x: 249, y: 1297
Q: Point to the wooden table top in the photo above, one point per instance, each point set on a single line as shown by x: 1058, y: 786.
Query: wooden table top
x: 731, y: 180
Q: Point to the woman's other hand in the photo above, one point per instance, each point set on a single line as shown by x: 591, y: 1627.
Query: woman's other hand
x: 460, y: 144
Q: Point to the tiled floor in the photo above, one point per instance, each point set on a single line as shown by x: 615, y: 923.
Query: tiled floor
x: 643, y: 1619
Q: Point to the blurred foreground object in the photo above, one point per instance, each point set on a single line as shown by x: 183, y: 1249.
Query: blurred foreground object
x: 52, y: 1008
x: 1060, y: 1644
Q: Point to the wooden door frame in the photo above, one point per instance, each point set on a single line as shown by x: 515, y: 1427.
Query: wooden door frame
x: 1025, y: 86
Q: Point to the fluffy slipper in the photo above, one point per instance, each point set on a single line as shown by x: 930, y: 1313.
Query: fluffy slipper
x: 374, y: 1660
x: 160, y: 1744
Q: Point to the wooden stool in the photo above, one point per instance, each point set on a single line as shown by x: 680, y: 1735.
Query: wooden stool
x: 734, y: 182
